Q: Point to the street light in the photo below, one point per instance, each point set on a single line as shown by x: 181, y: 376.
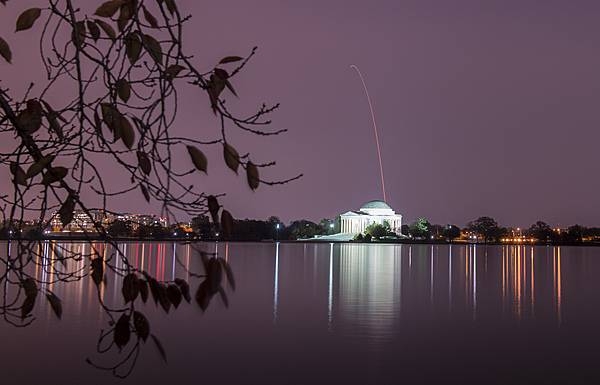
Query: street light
x: 331, y: 226
x: 277, y: 226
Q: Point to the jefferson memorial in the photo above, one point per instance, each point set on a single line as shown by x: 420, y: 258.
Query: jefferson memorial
x: 355, y: 222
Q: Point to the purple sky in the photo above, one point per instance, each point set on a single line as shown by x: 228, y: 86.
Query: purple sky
x: 484, y: 108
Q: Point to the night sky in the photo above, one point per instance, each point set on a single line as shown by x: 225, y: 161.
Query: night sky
x: 484, y: 108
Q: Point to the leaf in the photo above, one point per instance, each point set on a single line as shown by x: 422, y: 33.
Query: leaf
x: 142, y: 327
x: 66, y: 211
x: 108, y: 30
x: 27, y: 306
x: 174, y: 295
x: 18, y: 173
x: 27, y: 18
x: 94, y: 30
x: 252, y: 175
x: 54, y: 174
x: 198, y: 158
x: 130, y: 288
x: 127, y: 11
x: 150, y: 18
x: 227, y: 223
x: 144, y: 162
x: 78, y: 34
x: 228, y: 273
x: 213, y: 207
x: 173, y: 70
x: 122, y: 331
x: 203, y: 296
x: 29, y: 120
x: 143, y: 286
x: 97, y: 270
x: 154, y: 288
x: 110, y: 115
x: 232, y: 158
x: 153, y: 47
x: 127, y: 133
x: 133, y: 47
x: 5, y: 51
x: 108, y: 9
x: 171, y: 6
x: 123, y: 89
x: 230, y: 59
x: 145, y: 192
x: 214, y: 276
x: 224, y: 296
x: 30, y: 287
x: 163, y: 298
x: 159, y: 346
x: 185, y: 289
x: 39, y: 166
x: 55, y: 303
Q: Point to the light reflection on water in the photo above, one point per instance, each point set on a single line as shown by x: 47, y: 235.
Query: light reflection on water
x: 367, y: 307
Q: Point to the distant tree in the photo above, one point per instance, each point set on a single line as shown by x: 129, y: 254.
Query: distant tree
x: 540, y: 231
x: 328, y: 225
x: 120, y: 228
x: 485, y: 227
x: 377, y: 231
x: 359, y: 237
x: 405, y: 230
x: 451, y: 232
x: 420, y: 228
x: 304, y: 229
x: 575, y: 233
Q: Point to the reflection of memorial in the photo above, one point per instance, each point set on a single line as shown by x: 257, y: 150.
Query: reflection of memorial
x: 372, y: 288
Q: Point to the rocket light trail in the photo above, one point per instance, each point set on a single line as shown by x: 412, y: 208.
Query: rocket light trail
x: 374, y: 128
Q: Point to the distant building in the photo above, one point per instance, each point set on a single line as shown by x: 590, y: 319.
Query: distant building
x: 355, y: 222
x: 81, y: 222
x: 138, y: 220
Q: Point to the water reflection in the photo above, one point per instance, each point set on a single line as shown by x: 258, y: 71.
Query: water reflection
x: 370, y: 289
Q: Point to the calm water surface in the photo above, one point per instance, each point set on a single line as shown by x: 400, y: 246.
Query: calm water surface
x: 340, y: 314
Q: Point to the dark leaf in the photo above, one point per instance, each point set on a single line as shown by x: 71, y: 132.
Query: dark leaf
x: 198, y: 158
x: 27, y: 18
x: 163, y: 297
x: 30, y: 287
x: 66, y: 211
x: 153, y: 47
x: 226, y: 223
x: 252, y: 175
x: 230, y: 59
x: 171, y: 6
x: 232, y: 158
x: 174, y: 295
x: 55, y: 303
x: 150, y: 18
x: 5, y: 51
x: 142, y: 327
x: 110, y: 115
x: 173, y: 70
x: 203, y: 296
x: 127, y: 11
x: 54, y: 174
x: 143, y: 286
x: 123, y: 89
x: 224, y: 296
x: 127, y: 133
x: 39, y: 166
x: 109, y: 8
x: 221, y: 74
x: 29, y: 120
x: 213, y: 207
x: 144, y: 162
x: 18, y: 174
x: 185, y: 288
x: 108, y: 30
x: 145, y: 192
x: 94, y: 30
x: 154, y: 288
x: 214, y: 276
x: 228, y: 273
x: 133, y: 47
x: 159, y: 346
x: 122, y: 331
x: 78, y: 34
x: 97, y: 270
x: 130, y: 287
x: 27, y: 306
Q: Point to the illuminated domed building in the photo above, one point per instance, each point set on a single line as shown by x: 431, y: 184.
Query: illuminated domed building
x: 377, y: 211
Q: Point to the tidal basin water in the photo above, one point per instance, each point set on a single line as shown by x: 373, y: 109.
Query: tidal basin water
x: 338, y: 314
